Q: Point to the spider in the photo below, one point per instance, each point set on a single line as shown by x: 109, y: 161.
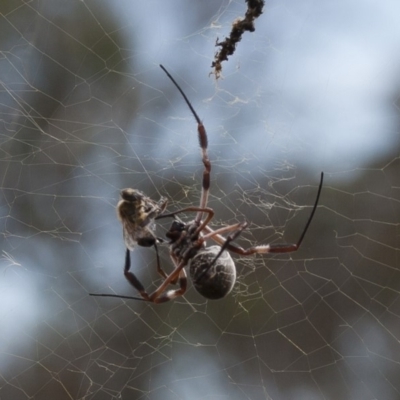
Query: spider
x: 212, y: 269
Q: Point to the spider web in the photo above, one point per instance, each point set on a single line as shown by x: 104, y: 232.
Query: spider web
x: 86, y: 111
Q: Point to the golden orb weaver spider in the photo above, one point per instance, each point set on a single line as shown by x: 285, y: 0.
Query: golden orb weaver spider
x: 211, y: 268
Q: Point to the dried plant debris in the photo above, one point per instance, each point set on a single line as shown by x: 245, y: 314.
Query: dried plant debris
x: 228, y: 46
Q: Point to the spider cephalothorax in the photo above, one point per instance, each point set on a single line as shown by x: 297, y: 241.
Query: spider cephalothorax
x: 211, y: 268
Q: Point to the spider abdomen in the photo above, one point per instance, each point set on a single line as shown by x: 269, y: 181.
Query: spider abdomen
x: 213, y: 282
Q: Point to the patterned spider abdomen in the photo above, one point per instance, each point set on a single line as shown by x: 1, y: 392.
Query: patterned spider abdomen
x: 213, y: 282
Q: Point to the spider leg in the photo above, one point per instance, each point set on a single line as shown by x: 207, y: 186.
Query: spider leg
x: 203, y: 141
x: 159, y: 269
x: 216, y: 234
x: 164, y: 296
x: 152, y: 241
x: 204, y: 223
x: 132, y: 279
x: 263, y: 249
x: 159, y: 295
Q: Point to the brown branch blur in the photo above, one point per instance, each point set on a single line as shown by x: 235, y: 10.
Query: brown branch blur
x: 228, y: 46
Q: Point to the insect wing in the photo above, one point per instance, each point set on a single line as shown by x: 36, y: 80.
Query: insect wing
x: 129, y: 233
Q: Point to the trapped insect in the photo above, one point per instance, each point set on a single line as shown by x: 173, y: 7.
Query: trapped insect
x: 137, y: 213
x: 212, y: 269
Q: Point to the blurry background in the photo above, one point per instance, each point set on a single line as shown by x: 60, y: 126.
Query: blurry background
x: 85, y: 110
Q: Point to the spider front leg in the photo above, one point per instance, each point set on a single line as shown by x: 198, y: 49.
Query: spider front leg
x: 203, y: 141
